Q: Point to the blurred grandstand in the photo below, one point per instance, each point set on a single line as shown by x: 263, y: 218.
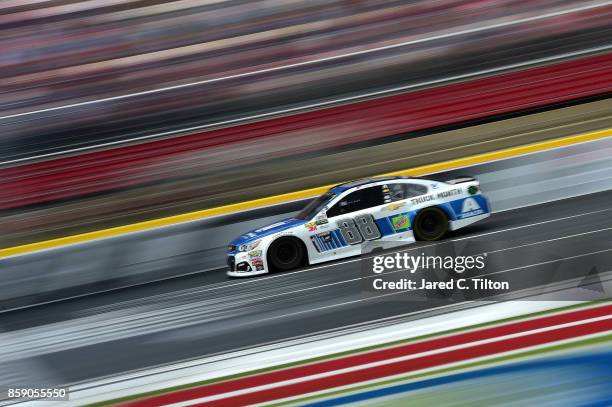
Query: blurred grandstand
x: 93, y: 76
x: 239, y: 57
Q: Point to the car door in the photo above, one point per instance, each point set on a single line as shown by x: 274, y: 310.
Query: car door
x: 351, y: 223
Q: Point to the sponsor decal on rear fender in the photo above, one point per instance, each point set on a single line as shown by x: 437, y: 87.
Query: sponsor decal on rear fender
x: 468, y: 207
x: 400, y: 222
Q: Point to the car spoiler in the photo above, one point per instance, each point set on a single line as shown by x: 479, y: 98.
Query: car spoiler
x: 461, y: 180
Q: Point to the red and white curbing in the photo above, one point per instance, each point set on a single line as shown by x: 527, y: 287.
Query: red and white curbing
x: 397, y: 360
x: 422, y: 355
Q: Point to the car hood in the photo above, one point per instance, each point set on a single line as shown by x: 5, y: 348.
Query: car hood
x: 267, y: 230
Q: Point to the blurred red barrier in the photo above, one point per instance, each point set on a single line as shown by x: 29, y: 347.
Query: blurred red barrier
x: 132, y: 165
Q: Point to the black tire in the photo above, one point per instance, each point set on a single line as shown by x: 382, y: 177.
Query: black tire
x: 286, y: 254
x: 430, y: 224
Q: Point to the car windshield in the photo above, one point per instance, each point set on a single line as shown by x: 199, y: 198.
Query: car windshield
x: 314, y: 206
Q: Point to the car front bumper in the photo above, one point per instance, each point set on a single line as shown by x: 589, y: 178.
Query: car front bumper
x: 245, y: 273
x: 243, y: 265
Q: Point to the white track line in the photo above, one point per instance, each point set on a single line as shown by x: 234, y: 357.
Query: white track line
x: 407, y: 248
x: 195, y: 291
x: 159, y: 320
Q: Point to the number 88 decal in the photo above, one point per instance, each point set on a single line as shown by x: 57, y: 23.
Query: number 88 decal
x: 355, y: 231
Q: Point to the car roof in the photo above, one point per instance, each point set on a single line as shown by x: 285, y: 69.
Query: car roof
x: 340, y: 188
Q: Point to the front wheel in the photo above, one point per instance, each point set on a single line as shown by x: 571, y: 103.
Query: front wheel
x: 430, y: 224
x: 286, y: 254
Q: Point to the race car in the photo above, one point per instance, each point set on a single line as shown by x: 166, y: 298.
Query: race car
x: 341, y: 222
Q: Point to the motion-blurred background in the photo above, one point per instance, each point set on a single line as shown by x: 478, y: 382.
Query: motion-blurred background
x: 191, y: 104
x: 119, y: 111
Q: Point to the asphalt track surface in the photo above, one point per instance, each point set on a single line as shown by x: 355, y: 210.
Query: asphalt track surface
x: 65, y: 342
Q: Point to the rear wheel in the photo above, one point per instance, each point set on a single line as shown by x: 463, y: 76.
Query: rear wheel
x: 286, y: 254
x: 430, y: 224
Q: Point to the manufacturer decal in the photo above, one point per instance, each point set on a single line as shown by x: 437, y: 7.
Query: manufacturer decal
x: 400, y: 222
x: 394, y: 206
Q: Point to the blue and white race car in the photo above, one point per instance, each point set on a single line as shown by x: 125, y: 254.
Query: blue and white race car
x: 392, y: 210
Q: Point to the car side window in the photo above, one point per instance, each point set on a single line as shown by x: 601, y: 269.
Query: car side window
x: 358, y: 200
x: 401, y: 191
